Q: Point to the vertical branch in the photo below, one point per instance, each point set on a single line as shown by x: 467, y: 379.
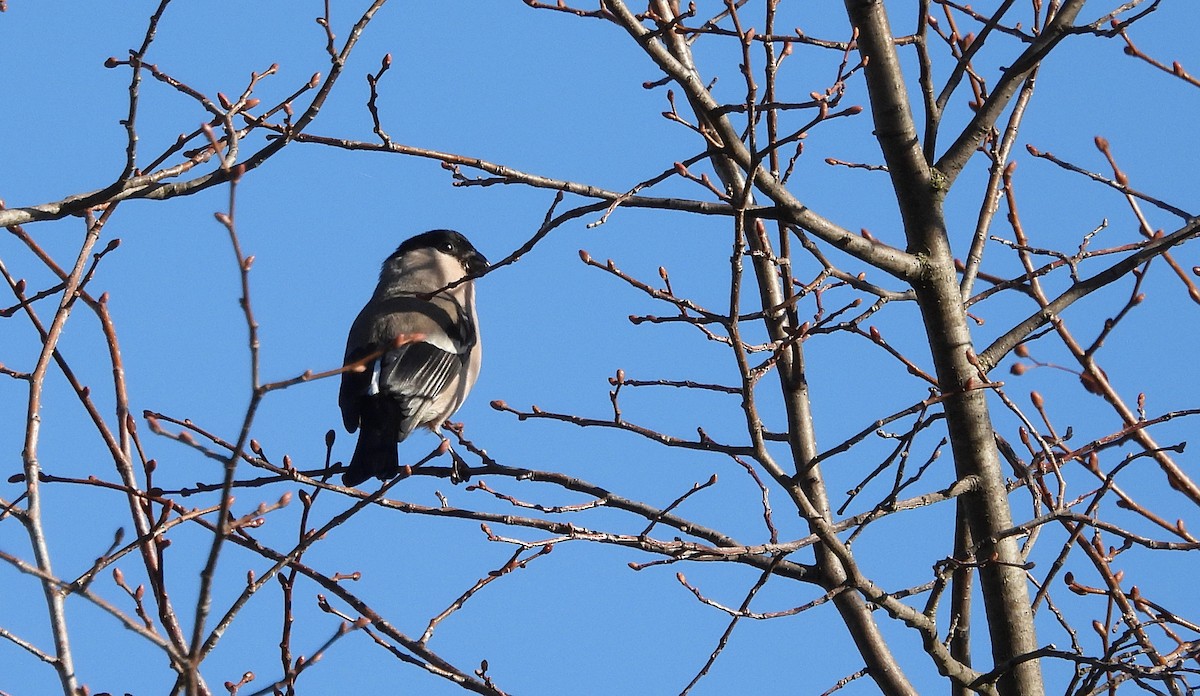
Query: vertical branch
x: 135, y: 82
x: 738, y: 169
x: 120, y: 446
x: 961, y: 588
x: 920, y: 191
x: 224, y: 518
x: 991, y: 196
x: 55, y: 596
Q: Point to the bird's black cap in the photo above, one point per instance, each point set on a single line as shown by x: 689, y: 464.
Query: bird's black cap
x: 449, y: 242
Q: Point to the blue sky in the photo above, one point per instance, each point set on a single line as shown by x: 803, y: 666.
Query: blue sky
x: 550, y: 94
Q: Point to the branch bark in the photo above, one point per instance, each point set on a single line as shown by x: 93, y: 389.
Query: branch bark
x: 920, y: 193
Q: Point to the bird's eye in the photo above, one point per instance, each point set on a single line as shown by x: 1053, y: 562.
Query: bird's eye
x: 447, y: 246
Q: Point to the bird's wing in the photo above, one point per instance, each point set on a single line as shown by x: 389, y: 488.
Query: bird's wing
x: 415, y: 375
x: 354, y: 385
x: 418, y: 370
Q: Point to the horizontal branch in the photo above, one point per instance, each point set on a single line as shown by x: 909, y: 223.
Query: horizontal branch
x: 705, y: 444
x: 509, y: 175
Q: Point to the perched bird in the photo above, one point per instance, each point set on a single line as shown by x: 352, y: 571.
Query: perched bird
x: 418, y: 382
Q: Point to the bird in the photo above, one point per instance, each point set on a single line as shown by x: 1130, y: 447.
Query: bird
x: 422, y: 324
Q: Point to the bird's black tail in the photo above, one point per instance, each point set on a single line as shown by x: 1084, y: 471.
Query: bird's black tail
x: 374, y: 455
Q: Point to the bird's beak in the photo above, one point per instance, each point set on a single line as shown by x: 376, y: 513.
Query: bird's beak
x: 476, y: 263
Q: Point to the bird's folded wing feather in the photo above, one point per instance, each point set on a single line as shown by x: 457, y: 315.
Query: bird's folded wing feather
x: 414, y: 370
x: 417, y: 371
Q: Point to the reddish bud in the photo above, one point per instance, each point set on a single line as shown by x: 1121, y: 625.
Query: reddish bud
x: 499, y: 405
x: 681, y: 169
x: 1021, y: 350
x: 1033, y: 150
x: 1038, y: 401
x: 225, y: 103
x: 111, y: 62
x: 1018, y: 369
x: 387, y: 61
x: 1101, y: 143
x: 587, y: 258
x: 854, y: 110
x: 253, y: 102
x: 330, y: 436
